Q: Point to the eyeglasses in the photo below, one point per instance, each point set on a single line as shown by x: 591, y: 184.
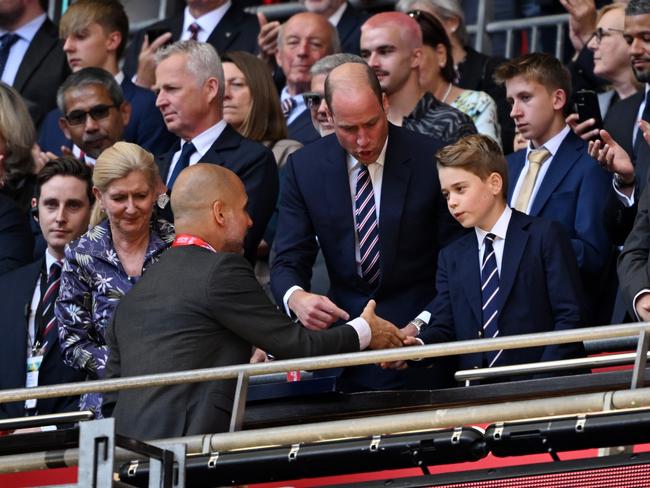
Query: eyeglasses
x: 313, y: 99
x: 600, y: 33
x: 78, y: 117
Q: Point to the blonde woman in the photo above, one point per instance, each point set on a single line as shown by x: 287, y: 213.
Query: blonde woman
x: 103, y: 264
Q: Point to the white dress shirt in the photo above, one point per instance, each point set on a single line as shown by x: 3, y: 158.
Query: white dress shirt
x: 552, y: 146
x: 17, y: 52
x: 299, y: 105
x: 335, y: 18
x: 208, y: 22
x: 202, y: 143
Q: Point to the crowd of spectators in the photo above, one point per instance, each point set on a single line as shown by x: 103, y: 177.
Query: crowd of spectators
x: 344, y: 138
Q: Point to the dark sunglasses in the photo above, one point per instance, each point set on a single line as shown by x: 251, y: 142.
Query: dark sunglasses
x: 313, y: 99
x: 78, y: 117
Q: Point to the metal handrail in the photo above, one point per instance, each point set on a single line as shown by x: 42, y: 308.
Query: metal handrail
x: 324, y: 362
x: 544, y: 367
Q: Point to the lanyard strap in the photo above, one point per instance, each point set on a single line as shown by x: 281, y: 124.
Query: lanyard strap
x: 190, y: 240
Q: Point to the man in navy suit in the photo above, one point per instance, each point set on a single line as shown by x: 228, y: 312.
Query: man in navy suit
x: 220, y: 23
x: 514, y: 274
x: 302, y: 40
x: 327, y: 184
x: 190, y: 86
x: 554, y: 177
x: 29, y: 341
x: 95, y: 34
x: 35, y: 64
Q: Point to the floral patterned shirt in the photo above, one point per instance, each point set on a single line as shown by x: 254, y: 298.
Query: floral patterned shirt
x: 93, y: 282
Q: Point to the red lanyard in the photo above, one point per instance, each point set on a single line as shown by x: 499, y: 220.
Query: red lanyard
x: 188, y: 240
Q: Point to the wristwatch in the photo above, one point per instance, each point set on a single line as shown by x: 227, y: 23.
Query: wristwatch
x: 418, y: 323
x: 618, y: 181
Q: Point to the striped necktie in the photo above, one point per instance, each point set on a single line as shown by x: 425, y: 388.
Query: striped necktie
x: 194, y: 29
x: 367, y: 227
x: 489, y: 294
x: 287, y: 106
x: 46, y: 332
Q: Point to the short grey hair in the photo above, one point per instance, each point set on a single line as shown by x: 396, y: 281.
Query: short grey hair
x: 445, y: 9
x: 637, y: 7
x: 335, y: 43
x: 90, y: 76
x: 324, y: 65
x: 203, y: 62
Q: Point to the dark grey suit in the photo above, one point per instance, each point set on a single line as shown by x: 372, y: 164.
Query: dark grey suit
x: 197, y: 309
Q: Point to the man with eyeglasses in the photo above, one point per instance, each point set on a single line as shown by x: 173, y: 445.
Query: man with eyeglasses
x: 94, y: 111
x: 95, y: 34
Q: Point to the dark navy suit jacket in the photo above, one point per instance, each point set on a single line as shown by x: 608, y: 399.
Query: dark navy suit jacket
x: 349, y: 29
x: 237, y: 31
x: 16, y: 290
x: 414, y: 224
x: 574, y: 193
x: 145, y: 128
x: 256, y: 167
x: 16, y: 238
x: 302, y: 129
x: 539, y: 291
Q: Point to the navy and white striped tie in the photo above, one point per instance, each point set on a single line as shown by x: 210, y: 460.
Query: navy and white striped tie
x: 489, y: 293
x: 367, y: 227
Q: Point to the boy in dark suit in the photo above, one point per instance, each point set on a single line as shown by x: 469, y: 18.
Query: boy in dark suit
x: 514, y: 274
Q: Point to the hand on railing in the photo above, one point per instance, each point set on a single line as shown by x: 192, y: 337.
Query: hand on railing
x: 258, y: 356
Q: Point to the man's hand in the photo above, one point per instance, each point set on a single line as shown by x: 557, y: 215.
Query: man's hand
x: 642, y: 307
x: 315, y: 312
x: 41, y: 158
x: 384, y: 334
x: 258, y: 356
x: 402, y: 363
x: 267, y: 39
x: 585, y: 130
x: 146, y: 75
x: 612, y: 157
x: 582, y: 20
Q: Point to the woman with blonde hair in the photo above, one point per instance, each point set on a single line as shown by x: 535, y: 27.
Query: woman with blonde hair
x: 103, y: 264
x: 17, y: 138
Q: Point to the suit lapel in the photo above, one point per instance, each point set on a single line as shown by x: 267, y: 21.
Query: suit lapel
x: 165, y: 161
x: 42, y: 44
x: 228, y: 139
x: 226, y: 31
x: 561, y: 164
x: 516, y: 164
x: 397, y: 174
x: 468, y: 268
x: 516, y: 238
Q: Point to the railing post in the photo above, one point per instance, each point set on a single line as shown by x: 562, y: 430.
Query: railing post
x: 485, y: 16
x: 97, y: 451
x: 239, y: 403
x: 638, y: 375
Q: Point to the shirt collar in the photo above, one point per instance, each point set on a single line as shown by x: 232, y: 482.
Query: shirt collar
x: 335, y: 18
x: 499, y: 229
x: 205, y: 139
x: 553, y: 144
x: 49, y: 260
x: 119, y: 77
x: 299, y: 101
x: 209, y: 21
x: 353, y: 163
x: 28, y: 30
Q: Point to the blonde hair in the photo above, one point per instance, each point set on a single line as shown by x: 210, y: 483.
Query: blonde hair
x: 116, y: 162
x: 17, y: 131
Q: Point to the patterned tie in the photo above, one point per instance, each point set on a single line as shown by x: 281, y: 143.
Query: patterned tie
x: 287, y: 106
x: 194, y: 29
x: 535, y: 159
x: 182, y: 163
x: 47, y: 332
x: 6, y: 41
x: 639, y: 134
x: 367, y: 227
x: 489, y: 292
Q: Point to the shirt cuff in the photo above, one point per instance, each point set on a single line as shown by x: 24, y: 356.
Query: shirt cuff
x: 425, y: 316
x: 363, y: 331
x: 636, y: 297
x: 622, y: 197
x: 285, y: 299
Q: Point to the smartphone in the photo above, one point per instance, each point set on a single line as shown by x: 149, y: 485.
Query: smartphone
x: 154, y: 34
x: 587, y: 106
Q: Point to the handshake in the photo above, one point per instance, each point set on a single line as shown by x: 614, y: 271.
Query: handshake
x: 384, y: 334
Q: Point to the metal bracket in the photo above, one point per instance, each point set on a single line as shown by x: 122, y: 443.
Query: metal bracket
x: 638, y: 375
x: 97, y: 451
x: 212, y: 461
x: 498, y: 431
x: 455, y: 436
x: 239, y: 403
x: 293, y: 453
x: 133, y: 468
x: 580, y: 423
x: 374, y: 443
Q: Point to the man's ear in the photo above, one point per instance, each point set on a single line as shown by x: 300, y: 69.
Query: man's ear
x: 416, y: 58
x: 559, y: 99
x: 218, y: 212
x: 113, y: 41
x: 63, y: 124
x: 34, y: 209
x: 125, y: 112
x: 384, y: 101
x: 496, y: 183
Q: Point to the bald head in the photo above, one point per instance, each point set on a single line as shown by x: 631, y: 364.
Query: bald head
x: 351, y: 78
x: 408, y: 28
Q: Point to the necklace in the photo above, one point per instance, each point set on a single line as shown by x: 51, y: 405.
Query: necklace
x: 444, y: 99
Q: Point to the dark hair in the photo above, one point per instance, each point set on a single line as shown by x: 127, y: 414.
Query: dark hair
x: 637, y: 7
x: 109, y: 14
x: 373, y: 83
x: 479, y: 154
x: 90, y: 76
x: 543, y: 68
x: 265, y: 121
x: 433, y: 34
x: 65, y: 166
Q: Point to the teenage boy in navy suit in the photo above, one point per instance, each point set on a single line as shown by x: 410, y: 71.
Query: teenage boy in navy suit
x: 514, y: 274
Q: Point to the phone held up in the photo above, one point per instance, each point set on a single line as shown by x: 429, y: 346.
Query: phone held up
x: 587, y: 106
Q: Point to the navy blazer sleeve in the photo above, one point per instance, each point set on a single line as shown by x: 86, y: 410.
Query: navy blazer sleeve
x: 16, y: 239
